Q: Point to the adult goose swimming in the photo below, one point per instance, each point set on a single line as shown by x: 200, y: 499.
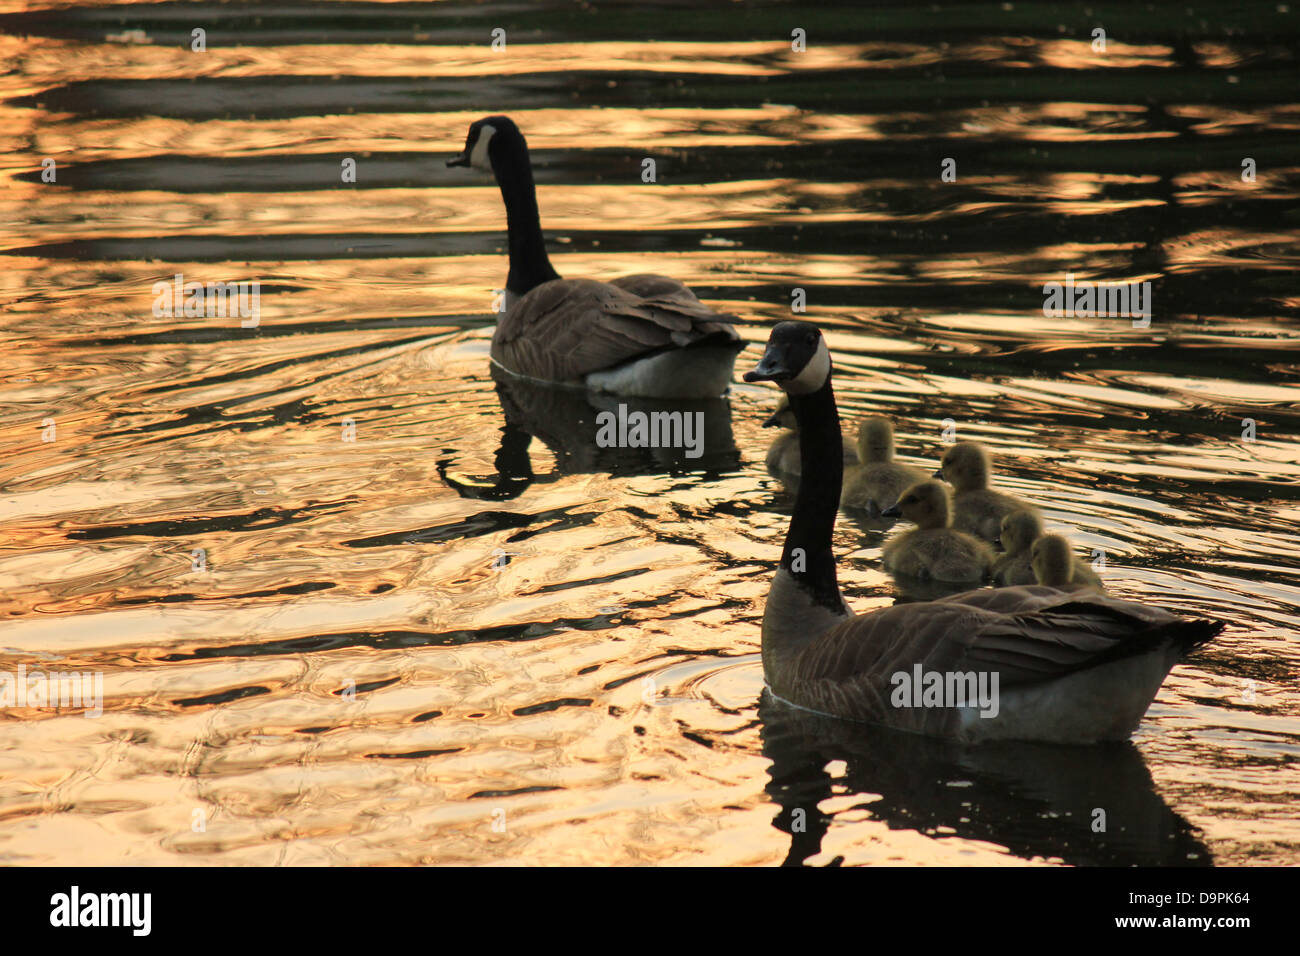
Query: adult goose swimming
x: 641, y: 335
x: 1066, y: 665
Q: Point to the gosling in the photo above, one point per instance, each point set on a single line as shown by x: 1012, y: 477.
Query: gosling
x: 978, y: 510
x: 1020, y: 530
x: 934, y: 550
x: 1054, y: 564
x: 879, y: 481
x: 783, y: 456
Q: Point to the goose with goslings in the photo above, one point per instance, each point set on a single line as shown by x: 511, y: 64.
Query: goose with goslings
x: 1066, y: 664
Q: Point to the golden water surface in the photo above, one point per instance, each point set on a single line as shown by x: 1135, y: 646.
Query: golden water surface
x: 465, y: 639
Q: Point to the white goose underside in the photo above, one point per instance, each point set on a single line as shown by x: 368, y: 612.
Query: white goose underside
x: 1103, y: 703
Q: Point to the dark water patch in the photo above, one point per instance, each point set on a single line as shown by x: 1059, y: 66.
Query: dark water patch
x: 416, y: 754
x: 238, y: 693
x: 261, y: 519
x: 530, y: 631
x: 550, y: 705
x: 476, y: 525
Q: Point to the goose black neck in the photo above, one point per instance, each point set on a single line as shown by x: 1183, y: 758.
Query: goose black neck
x: 821, y: 460
x: 529, y: 266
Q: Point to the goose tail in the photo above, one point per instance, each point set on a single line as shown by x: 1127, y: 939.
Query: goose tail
x: 1099, y: 632
x: 723, y: 337
x: 1189, y: 635
x: 1177, y: 638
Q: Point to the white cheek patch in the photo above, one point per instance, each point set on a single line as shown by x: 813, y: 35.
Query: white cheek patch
x: 479, y: 157
x: 814, y: 374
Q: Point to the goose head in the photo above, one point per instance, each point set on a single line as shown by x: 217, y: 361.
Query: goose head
x: 925, y: 504
x: 965, y: 466
x: 783, y: 417
x: 1020, y: 530
x: 1052, y: 561
x: 796, y: 358
x: 876, y: 440
x: 488, y: 139
x: 495, y: 145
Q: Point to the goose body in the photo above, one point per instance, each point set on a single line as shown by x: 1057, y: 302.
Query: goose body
x: 878, y: 481
x: 783, y: 455
x: 644, y: 335
x: 978, y: 510
x: 1066, y: 664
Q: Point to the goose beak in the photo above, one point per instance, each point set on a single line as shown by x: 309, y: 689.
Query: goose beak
x: 772, y: 367
x: 892, y: 511
x: 461, y: 160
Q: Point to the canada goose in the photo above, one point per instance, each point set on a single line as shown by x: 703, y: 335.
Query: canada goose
x: 978, y: 510
x: 878, y: 481
x: 783, y: 456
x: 1021, y: 530
x: 1065, y: 665
x: 641, y: 335
x: 934, y: 550
x: 1054, y: 563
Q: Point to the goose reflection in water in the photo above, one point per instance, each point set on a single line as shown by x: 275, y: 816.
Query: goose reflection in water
x: 582, y: 430
x: 1036, y: 800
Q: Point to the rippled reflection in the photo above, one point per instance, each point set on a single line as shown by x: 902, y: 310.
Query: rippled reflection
x: 571, y: 423
x: 1087, y: 806
x: 355, y: 598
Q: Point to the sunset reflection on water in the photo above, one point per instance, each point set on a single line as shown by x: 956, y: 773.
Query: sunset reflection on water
x: 354, y: 677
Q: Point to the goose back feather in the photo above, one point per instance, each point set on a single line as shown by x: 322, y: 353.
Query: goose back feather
x: 566, y: 329
x: 1105, y: 657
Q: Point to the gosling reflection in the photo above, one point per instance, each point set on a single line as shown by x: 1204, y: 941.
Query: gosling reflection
x: 593, y: 432
x: 1037, y: 800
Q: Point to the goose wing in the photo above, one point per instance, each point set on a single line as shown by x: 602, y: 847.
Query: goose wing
x: 566, y: 328
x: 645, y: 285
x: 1027, y: 635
